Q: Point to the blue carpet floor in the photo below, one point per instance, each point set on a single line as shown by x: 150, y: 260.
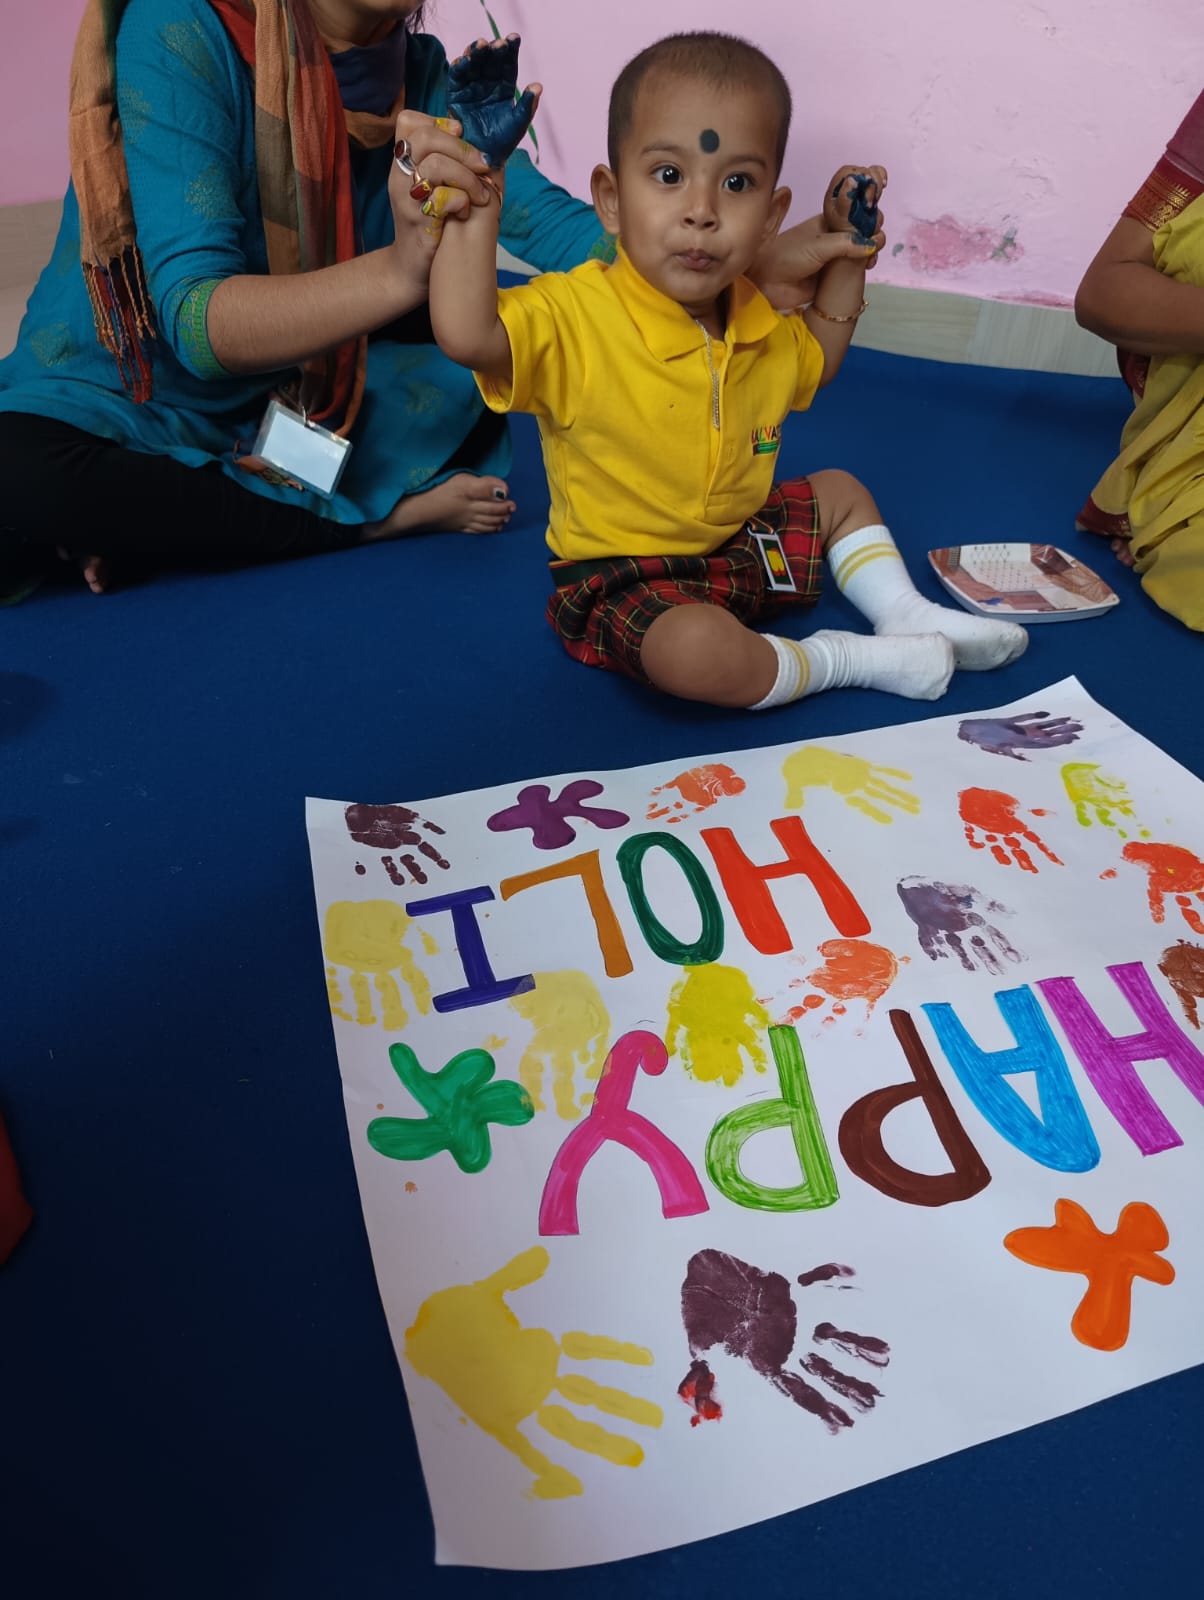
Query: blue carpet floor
x: 197, y: 1392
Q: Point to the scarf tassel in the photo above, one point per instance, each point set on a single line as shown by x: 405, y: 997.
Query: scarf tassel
x: 124, y: 318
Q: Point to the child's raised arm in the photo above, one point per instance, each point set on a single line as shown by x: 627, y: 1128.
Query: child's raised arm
x: 840, y: 288
x: 482, y: 93
x: 464, y: 313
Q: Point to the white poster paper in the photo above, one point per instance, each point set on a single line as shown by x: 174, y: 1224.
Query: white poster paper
x: 735, y: 1132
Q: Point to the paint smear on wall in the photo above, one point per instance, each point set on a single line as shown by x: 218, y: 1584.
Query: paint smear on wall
x: 716, y: 1024
x: 572, y: 1031
x: 947, y: 245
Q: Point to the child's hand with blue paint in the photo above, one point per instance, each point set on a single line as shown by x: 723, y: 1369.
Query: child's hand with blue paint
x: 851, y: 204
x: 482, y: 93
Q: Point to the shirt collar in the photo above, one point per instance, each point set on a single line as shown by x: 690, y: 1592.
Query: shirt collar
x: 669, y: 330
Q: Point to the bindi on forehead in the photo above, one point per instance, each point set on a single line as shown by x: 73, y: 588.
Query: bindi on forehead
x: 708, y: 141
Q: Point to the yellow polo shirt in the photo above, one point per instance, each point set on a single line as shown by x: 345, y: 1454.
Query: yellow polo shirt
x: 628, y: 388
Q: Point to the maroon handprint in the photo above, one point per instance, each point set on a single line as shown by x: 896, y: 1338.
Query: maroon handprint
x: 395, y: 828
x: 729, y: 1304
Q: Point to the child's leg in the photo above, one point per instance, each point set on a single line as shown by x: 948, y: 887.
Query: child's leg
x: 701, y: 652
x: 870, y: 572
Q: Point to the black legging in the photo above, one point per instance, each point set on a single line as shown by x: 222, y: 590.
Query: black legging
x: 62, y: 486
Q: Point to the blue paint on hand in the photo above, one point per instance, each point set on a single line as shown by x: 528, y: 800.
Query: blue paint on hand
x: 863, y: 206
x: 482, y: 94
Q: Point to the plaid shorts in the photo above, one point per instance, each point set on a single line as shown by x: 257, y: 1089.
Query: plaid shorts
x: 603, y: 609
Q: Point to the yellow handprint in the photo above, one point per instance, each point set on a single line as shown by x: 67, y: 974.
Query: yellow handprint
x: 860, y: 784
x: 720, y: 1021
x: 369, y: 936
x: 571, y: 1026
x: 468, y: 1341
x: 1099, y: 798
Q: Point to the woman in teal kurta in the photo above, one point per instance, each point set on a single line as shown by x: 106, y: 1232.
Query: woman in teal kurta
x: 88, y: 465
x: 187, y: 108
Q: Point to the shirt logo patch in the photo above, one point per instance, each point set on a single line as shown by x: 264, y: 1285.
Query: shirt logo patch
x: 765, y: 441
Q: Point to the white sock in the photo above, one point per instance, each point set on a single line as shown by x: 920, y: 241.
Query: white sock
x: 870, y: 572
x: 917, y: 667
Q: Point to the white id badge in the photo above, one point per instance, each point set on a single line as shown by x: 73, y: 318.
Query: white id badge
x: 301, y: 449
x: 773, y: 555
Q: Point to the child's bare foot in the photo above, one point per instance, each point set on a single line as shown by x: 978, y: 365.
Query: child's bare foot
x: 464, y: 503
x: 1122, y: 550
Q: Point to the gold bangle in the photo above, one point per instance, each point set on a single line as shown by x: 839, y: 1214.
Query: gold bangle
x: 828, y: 317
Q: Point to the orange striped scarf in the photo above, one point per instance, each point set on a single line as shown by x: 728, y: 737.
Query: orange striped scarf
x: 302, y: 155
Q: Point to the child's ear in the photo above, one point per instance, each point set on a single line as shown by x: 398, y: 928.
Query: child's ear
x: 779, y: 206
x: 604, y: 190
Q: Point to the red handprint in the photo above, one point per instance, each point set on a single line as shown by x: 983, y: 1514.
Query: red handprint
x: 1174, y: 874
x: 991, y: 822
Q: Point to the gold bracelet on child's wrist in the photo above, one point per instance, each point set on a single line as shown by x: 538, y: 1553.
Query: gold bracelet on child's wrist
x: 828, y: 317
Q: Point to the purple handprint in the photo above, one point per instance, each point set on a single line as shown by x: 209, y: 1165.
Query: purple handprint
x: 944, y: 912
x: 1009, y: 736
x: 482, y: 93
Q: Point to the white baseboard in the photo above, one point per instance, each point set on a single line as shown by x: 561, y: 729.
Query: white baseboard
x: 985, y: 333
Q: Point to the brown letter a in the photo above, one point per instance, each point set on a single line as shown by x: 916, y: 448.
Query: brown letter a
x: 865, y: 1153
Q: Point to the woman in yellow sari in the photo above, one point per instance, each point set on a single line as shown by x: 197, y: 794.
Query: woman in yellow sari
x: 1144, y: 293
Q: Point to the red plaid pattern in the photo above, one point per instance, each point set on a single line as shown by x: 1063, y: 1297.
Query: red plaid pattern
x: 603, y: 609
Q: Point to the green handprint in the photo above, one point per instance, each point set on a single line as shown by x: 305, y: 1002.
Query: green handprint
x: 460, y: 1103
x: 1100, y: 798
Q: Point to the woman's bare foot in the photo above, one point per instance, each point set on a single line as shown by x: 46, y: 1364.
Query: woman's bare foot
x: 1122, y: 552
x: 94, y: 568
x: 96, y: 573
x: 465, y: 503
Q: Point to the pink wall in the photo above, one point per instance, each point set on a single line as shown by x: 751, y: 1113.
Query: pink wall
x: 1014, y: 131
x: 34, y: 65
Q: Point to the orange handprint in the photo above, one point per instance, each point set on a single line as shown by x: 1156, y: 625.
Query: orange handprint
x: 991, y: 822
x: 852, y: 969
x: 1174, y: 873
x: 697, y: 790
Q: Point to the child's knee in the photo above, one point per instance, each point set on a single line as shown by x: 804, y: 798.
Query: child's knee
x: 839, y: 496
x: 689, y: 641
x: 835, y: 488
